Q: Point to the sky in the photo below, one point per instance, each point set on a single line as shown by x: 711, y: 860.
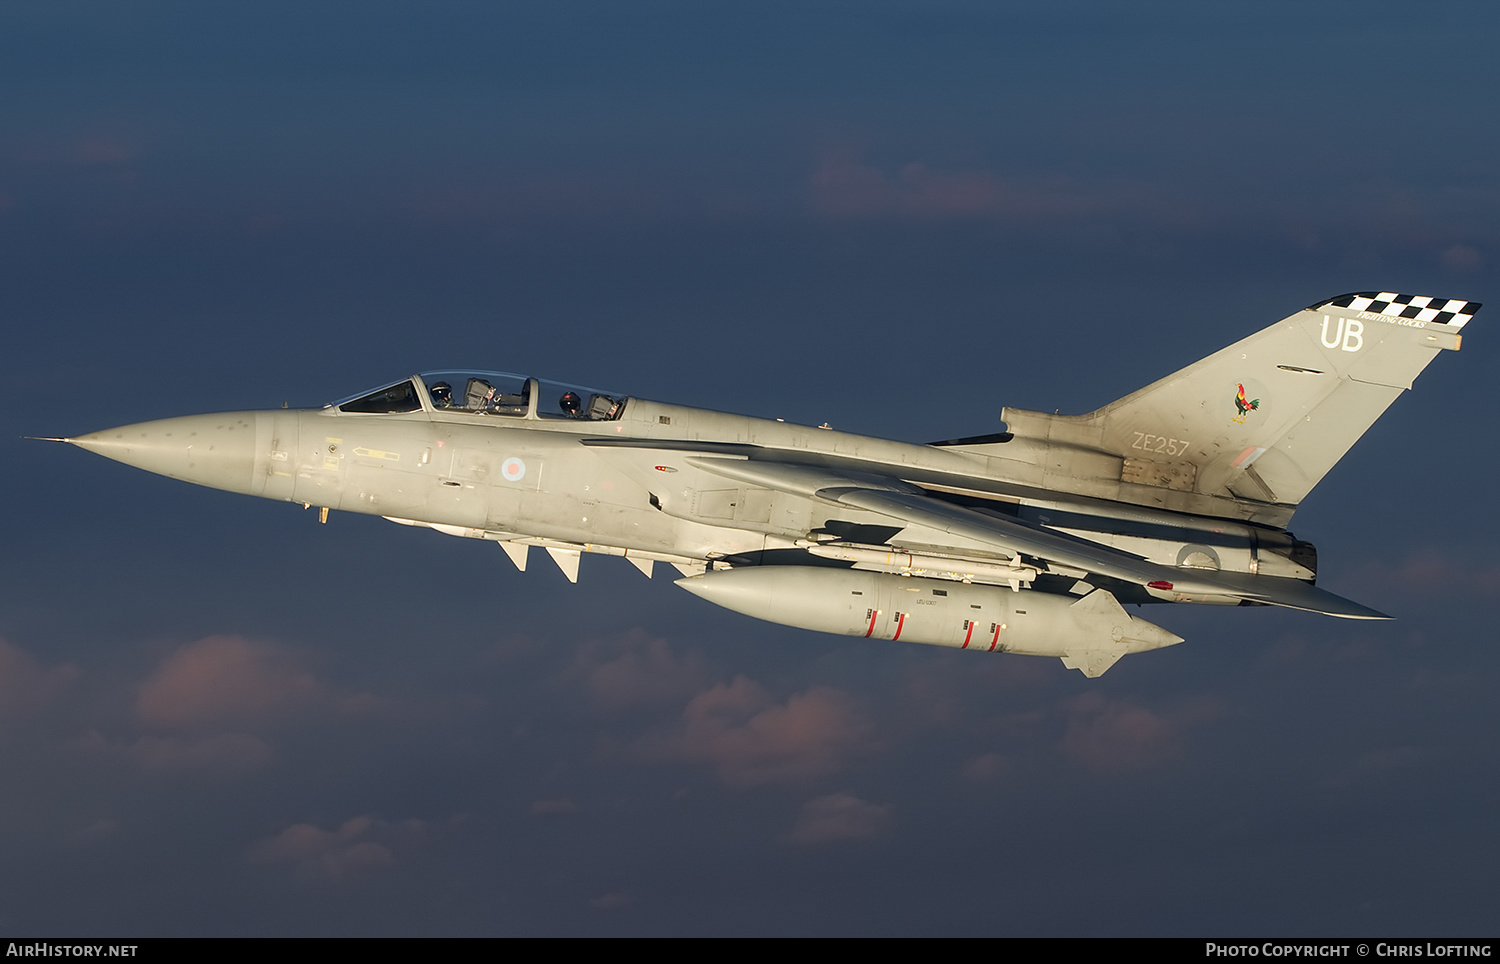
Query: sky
x: 218, y: 717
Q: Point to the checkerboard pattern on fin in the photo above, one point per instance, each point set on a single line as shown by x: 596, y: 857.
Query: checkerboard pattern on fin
x: 1453, y: 312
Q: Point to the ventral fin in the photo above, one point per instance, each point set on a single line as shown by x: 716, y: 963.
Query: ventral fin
x: 567, y: 561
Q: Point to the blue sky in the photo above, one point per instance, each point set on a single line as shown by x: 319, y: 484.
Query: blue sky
x: 222, y: 718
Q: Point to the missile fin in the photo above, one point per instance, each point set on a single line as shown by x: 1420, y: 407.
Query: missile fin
x: 1103, y: 603
x: 1104, y: 611
x: 1095, y: 661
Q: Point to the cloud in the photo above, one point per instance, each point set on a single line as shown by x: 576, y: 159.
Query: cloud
x: 91, y: 148
x: 1462, y: 257
x: 509, y: 198
x: 1437, y: 572
x: 1380, y: 766
x: 635, y: 671
x: 109, y: 150
x: 25, y: 685
x: 751, y: 740
x: 614, y: 900
x: 98, y: 832
x: 839, y: 818
x: 844, y: 188
x: 224, y: 679
x: 360, y: 846
x: 553, y: 806
x: 986, y: 768
x: 223, y: 755
x: 1111, y: 734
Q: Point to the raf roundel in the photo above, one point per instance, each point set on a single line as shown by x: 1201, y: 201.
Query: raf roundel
x: 513, y: 469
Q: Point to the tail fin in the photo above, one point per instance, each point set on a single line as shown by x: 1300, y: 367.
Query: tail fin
x: 1248, y: 431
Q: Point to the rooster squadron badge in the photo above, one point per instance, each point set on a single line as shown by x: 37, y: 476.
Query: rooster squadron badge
x: 1245, y: 405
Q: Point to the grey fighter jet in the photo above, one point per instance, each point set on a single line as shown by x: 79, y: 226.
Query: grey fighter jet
x: 1028, y: 541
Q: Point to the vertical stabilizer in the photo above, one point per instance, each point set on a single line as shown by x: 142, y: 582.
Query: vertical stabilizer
x: 1262, y: 421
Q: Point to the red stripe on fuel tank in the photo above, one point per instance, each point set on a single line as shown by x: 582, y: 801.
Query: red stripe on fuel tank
x: 900, y: 621
x: 967, y: 635
x: 874, y: 615
x: 997, y: 637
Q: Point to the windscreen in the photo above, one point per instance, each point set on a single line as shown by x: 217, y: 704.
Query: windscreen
x: 390, y: 400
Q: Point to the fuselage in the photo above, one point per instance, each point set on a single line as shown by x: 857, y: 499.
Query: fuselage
x: 632, y: 482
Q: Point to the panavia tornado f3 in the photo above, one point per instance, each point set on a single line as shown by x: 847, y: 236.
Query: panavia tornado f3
x: 1027, y: 541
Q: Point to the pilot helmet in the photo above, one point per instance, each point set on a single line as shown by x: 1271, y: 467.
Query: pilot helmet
x: 571, y: 403
x: 442, y: 394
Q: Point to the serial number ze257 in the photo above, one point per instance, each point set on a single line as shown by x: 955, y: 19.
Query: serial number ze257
x: 1159, y: 443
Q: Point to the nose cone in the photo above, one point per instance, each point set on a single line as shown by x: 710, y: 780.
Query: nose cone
x: 212, y: 450
x: 720, y: 592
x: 765, y: 592
x: 1142, y: 636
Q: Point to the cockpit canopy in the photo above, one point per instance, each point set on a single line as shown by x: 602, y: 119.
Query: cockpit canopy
x: 486, y: 393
